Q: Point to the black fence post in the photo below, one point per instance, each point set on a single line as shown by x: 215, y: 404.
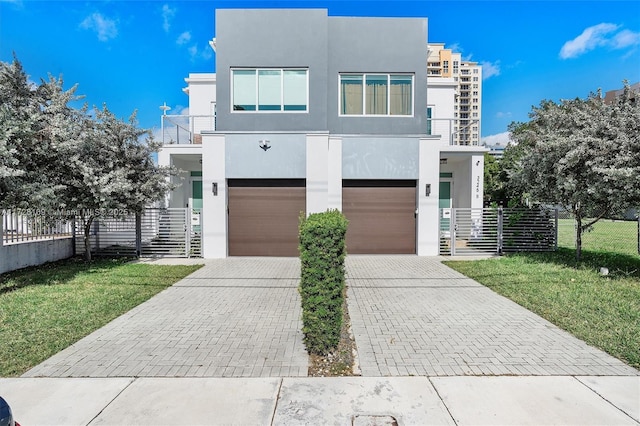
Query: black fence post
x: 74, y: 240
x: 500, y: 229
x: 557, y: 229
x: 138, y: 234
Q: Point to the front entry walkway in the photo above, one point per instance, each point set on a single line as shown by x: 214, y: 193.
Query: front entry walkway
x: 236, y: 317
x: 413, y: 315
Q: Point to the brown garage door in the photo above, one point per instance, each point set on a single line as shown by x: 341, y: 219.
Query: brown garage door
x: 263, y: 216
x: 381, y: 216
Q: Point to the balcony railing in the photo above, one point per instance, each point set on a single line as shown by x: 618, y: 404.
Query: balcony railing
x: 454, y: 130
x: 186, y: 129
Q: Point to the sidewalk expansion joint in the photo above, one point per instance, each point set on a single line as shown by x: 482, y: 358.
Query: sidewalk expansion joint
x: 602, y: 396
x: 113, y: 399
x: 275, y: 406
x: 433, y: 385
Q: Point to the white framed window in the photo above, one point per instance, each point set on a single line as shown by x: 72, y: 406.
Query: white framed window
x: 270, y: 90
x: 455, y: 67
x: 376, y: 94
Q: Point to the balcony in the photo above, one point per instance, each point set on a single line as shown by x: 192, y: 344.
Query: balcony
x: 456, y: 131
x: 186, y: 129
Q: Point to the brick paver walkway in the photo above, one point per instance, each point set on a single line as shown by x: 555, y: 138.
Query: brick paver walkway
x: 414, y: 316
x: 237, y: 317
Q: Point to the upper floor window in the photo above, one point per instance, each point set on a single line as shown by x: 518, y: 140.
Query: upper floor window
x: 269, y: 89
x: 376, y: 94
x: 455, y: 67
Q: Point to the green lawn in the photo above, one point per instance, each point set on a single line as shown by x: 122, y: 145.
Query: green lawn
x: 604, y: 311
x: 607, y: 235
x: 47, y: 308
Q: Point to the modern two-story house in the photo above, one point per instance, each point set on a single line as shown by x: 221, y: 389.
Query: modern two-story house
x: 307, y: 112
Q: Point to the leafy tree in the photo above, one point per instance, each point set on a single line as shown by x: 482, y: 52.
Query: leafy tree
x: 34, y: 121
x: 54, y: 157
x: 112, y: 171
x: 583, y: 155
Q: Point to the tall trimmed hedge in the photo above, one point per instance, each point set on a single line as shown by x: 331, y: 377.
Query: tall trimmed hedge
x: 322, y: 254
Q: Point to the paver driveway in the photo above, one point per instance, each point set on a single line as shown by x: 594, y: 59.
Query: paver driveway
x: 237, y: 317
x: 240, y: 317
x: 414, y: 316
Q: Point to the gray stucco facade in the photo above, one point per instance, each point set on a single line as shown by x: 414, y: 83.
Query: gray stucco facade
x: 317, y: 112
x: 326, y: 46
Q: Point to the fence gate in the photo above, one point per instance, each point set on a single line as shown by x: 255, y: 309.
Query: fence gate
x: 170, y: 232
x: 496, y: 231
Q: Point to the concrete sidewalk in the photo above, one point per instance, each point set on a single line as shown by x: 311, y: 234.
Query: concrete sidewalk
x: 566, y: 400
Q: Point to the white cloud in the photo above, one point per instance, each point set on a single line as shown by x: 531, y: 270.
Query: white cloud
x: 195, y: 53
x: 490, y: 69
x: 455, y: 47
x: 167, y: 16
x: 500, y: 139
x: 601, y: 35
x: 184, y: 38
x: 626, y: 38
x: 501, y: 114
x: 104, y: 28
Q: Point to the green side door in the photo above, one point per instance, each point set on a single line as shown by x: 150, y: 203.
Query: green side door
x: 445, y: 203
x: 196, y: 207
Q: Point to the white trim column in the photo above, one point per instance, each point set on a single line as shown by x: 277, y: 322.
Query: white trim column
x: 335, y: 173
x: 214, y: 206
x: 477, y: 181
x: 317, y: 169
x: 428, y: 234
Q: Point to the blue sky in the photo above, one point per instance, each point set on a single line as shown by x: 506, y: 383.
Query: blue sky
x: 134, y: 55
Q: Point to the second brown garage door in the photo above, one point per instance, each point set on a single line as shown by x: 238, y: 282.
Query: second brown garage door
x: 263, y: 216
x: 381, y: 216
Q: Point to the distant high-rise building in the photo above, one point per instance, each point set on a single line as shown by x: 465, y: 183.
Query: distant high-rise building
x: 445, y: 63
x: 611, y: 95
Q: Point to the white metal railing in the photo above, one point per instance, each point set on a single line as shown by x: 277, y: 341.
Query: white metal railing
x: 186, y: 129
x: 170, y: 232
x: 456, y: 131
x: 465, y: 231
x: 20, y: 225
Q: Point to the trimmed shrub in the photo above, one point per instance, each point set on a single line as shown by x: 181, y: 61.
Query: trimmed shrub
x: 322, y: 254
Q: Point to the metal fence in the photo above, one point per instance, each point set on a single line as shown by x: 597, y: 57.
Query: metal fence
x: 156, y: 232
x: 20, y: 225
x: 497, y: 231
x: 607, y: 235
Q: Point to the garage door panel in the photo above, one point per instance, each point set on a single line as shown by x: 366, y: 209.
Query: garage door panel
x: 263, y: 220
x: 381, y: 219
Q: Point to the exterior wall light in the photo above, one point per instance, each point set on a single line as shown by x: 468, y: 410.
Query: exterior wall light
x: 214, y: 188
x: 427, y: 189
x: 264, y: 144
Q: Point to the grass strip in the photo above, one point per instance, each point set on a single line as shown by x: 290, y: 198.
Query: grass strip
x: 47, y: 308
